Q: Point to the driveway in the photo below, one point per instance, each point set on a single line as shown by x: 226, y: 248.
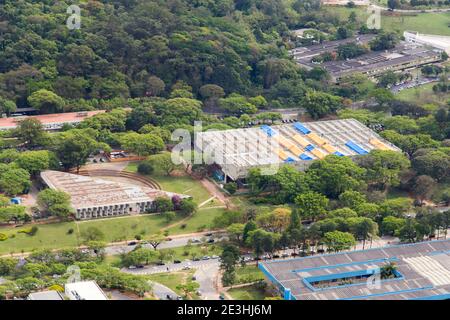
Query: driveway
x: 206, y: 276
x: 161, y: 292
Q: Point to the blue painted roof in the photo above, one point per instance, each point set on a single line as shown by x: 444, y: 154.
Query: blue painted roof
x: 309, y: 147
x: 282, y: 273
x: 353, y: 146
x: 268, y: 130
x: 301, y: 128
x: 289, y: 160
x: 305, y: 157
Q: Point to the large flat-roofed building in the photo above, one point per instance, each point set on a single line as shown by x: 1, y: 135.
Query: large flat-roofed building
x: 45, y: 295
x: 436, y: 41
x: 421, y: 271
x: 53, y: 121
x: 406, y: 55
x: 238, y: 150
x: 84, y: 290
x: 99, y: 198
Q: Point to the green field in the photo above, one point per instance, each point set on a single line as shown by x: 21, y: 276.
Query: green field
x: 249, y: 273
x: 56, y: 236
x: 432, y: 23
x: 180, y: 184
x: 251, y: 292
x: 423, y: 94
x: 173, y: 279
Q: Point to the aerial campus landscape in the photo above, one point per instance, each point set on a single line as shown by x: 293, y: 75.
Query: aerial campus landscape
x: 224, y: 150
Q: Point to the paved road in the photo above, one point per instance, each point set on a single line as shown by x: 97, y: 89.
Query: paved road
x: 161, y: 291
x: 171, y: 267
x: 174, y: 243
x: 206, y: 276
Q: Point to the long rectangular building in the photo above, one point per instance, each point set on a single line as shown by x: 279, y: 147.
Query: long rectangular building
x: 419, y: 271
x: 99, y: 198
x: 406, y: 55
x: 53, y: 121
x: 298, y: 144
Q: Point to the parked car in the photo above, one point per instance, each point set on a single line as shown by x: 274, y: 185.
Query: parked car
x: 132, y: 243
x: 168, y: 239
x: 186, y: 268
x: 140, y: 266
x: 196, y: 259
x: 206, y: 258
x: 177, y: 261
x: 132, y: 267
x: 195, y: 240
x: 215, y: 257
x: 275, y: 256
x: 160, y: 263
x: 211, y: 241
x: 209, y: 234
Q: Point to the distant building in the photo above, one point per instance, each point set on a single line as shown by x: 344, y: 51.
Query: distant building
x: 405, y: 56
x: 99, y: 198
x: 237, y: 151
x: 45, y: 295
x: 85, y: 290
x: 421, y: 271
x: 436, y: 41
x: 50, y: 121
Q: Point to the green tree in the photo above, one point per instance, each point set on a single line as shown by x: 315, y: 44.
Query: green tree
x: 74, y: 148
x: 319, y: 104
x: 34, y: 161
x: 229, y: 259
x: 392, y: 225
x: 7, y: 106
x: 311, y: 205
x: 338, y: 241
x: 14, y: 181
x: 55, y: 203
x: 31, y: 133
x: 163, y: 162
x: 141, y: 144
x: 335, y: 175
x: 187, y: 207
x: 46, y: 101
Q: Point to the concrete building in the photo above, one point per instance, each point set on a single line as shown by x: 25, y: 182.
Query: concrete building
x: 436, y: 41
x: 421, y: 272
x: 50, y: 121
x: 238, y: 150
x: 84, y: 290
x: 46, y: 295
x: 98, y: 198
x: 405, y: 56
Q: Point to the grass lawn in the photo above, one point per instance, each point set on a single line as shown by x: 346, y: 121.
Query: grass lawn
x: 432, y: 23
x: 249, y: 273
x: 251, y: 292
x: 200, y: 221
x: 173, y: 279
x: 423, y: 94
x: 50, y: 236
x: 56, y: 235
x: 182, y: 184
